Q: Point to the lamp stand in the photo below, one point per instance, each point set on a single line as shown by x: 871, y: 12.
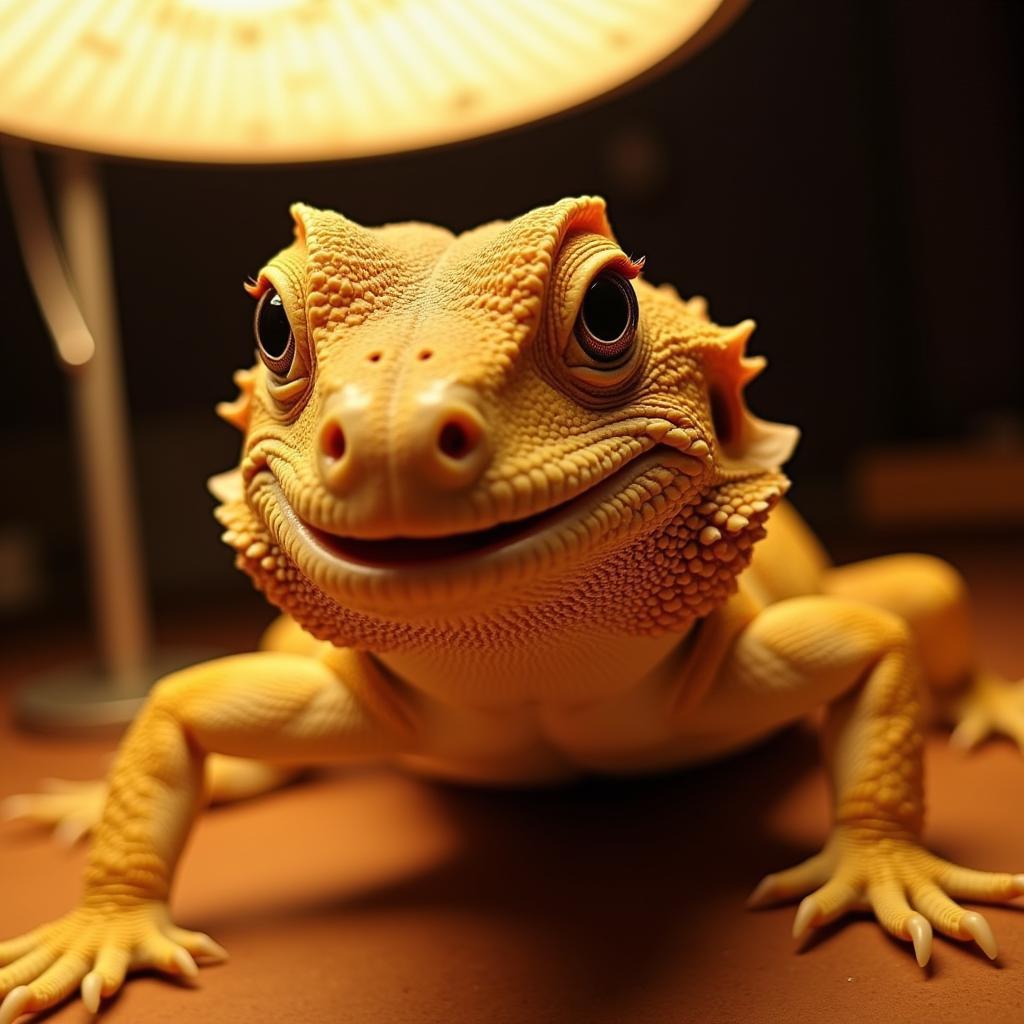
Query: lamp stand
x: 104, y: 697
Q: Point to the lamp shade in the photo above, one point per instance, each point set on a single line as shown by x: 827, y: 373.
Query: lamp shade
x: 252, y: 81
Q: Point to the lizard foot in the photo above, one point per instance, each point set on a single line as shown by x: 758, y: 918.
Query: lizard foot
x: 93, y: 948
x: 989, y: 706
x: 909, y: 890
x: 71, y: 809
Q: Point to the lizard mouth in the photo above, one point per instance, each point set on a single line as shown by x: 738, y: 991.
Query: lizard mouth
x: 399, y: 571
x: 407, y: 551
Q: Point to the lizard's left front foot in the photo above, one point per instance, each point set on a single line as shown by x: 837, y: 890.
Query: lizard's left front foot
x: 908, y: 889
x: 989, y: 706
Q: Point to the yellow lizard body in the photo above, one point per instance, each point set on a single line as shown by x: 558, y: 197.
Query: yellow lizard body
x: 508, y: 495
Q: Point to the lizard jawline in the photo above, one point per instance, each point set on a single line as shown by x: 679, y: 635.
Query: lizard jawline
x: 507, y: 552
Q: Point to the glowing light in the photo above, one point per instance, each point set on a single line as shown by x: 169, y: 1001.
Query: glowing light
x: 246, y: 8
x: 277, y: 80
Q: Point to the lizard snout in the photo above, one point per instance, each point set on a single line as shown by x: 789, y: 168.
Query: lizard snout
x: 439, y: 442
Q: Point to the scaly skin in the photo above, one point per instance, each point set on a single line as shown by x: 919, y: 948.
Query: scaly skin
x: 494, y: 549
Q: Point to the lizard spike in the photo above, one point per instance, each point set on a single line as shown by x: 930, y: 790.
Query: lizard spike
x: 751, y: 367
x: 747, y: 442
x: 227, y: 487
x: 245, y: 380
x: 697, y: 307
x: 734, y: 339
x: 735, y: 342
x: 237, y: 412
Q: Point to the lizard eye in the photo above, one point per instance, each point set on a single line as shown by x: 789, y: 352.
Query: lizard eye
x: 607, y: 321
x: 275, y: 340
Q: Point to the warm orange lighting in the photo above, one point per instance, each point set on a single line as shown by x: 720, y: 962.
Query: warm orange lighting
x: 282, y: 80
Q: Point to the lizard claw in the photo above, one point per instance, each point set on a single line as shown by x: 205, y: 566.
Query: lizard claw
x: 15, y: 1004
x: 764, y: 893
x: 981, y: 931
x: 92, y: 990
x: 806, y: 914
x: 921, y: 935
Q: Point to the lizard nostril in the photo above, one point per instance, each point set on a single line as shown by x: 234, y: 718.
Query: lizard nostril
x: 454, y: 446
x: 332, y: 440
x: 339, y: 440
x: 458, y: 437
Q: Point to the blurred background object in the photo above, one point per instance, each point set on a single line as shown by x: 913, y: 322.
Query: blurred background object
x: 271, y: 81
x: 265, y: 81
x: 79, y: 308
x: 847, y: 173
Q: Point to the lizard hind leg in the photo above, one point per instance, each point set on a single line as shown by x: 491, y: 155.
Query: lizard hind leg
x: 930, y: 596
x: 73, y: 808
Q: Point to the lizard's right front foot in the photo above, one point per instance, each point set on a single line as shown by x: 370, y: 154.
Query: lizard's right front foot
x: 95, y: 947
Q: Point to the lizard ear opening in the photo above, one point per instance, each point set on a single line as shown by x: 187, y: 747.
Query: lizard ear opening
x: 723, y: 418
x: 745, y: 441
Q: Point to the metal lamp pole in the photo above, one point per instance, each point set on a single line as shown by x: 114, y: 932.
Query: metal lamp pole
x: 72, y: 277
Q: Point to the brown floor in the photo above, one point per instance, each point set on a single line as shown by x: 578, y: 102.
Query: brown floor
x: 375, y: 898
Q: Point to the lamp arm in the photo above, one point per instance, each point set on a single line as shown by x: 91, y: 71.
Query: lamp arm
x: 44, y: 263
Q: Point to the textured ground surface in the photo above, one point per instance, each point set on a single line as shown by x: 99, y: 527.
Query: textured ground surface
x: 372, y: 897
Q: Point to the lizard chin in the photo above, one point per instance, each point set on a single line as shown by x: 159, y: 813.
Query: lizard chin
x: 398, y: 575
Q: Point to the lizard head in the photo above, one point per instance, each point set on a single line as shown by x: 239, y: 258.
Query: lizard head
x: 485, y: 437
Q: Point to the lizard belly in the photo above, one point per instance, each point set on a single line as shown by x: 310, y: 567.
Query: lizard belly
x: 548, y: 742
x: 639, y: 737
x: 484, y: 745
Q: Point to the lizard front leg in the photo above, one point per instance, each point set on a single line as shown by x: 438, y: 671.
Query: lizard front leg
x: 283, y: 707
x: 873, y: 746
x: 73, y: 808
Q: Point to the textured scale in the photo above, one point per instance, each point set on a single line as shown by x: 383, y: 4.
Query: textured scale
x: 500, y: 562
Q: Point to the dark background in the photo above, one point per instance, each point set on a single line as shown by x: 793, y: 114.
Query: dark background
x: 847, y: 173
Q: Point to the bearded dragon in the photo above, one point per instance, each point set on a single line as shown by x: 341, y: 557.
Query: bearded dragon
x: 508, y: 495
